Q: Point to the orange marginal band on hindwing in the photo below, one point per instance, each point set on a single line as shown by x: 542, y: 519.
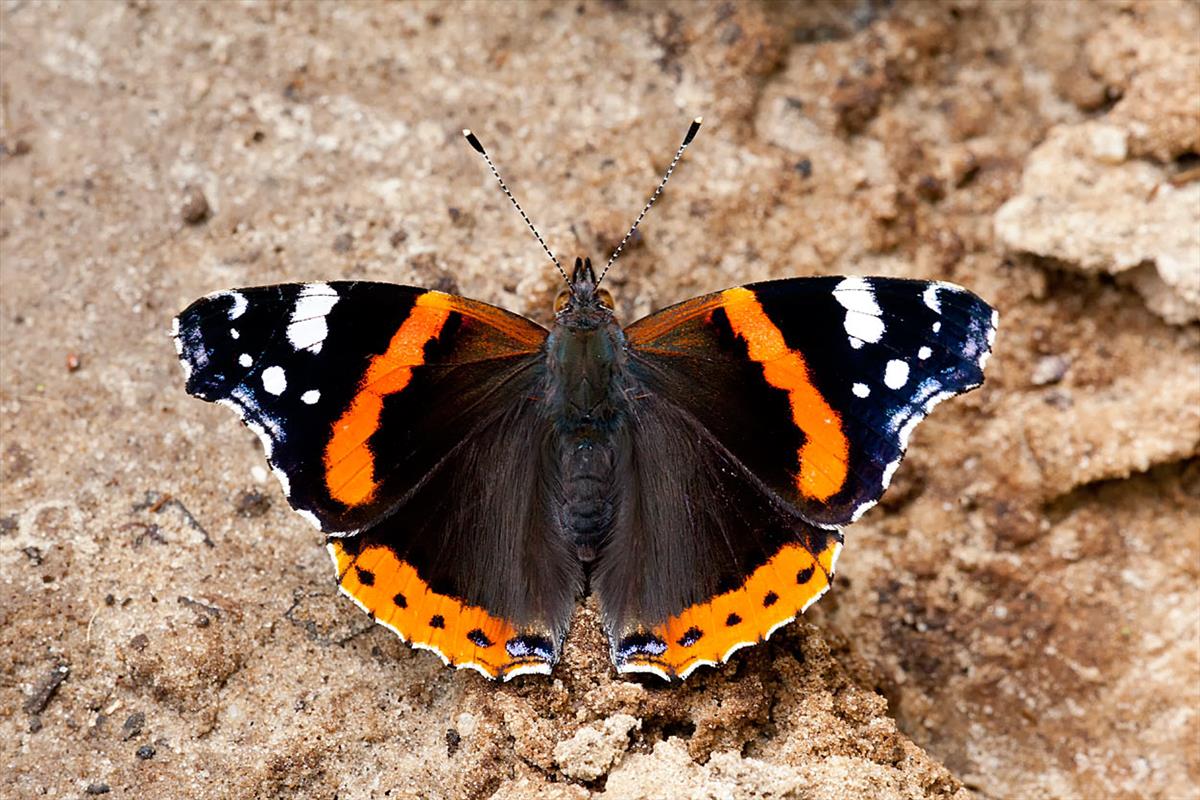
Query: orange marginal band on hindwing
x: 707, y: 634
x: 464, y: 636
x: 349, y: 462
x: 824, y: 455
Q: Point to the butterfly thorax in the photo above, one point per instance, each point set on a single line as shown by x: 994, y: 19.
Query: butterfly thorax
x: 585, y: 360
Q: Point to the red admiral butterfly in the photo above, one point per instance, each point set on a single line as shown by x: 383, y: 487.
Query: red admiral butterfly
x: 476, y: 473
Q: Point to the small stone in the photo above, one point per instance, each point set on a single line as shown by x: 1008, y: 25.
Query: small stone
x: 1110, y: 144
x: 1049, y: 369
x: 343, y: 243
x: 45, y: 690
x: 146, y: 752
x: 398, y: 237
x: 73, y: 362
x: 97, y: 788
x: 252, y: 504
x: 17, y: 148
x: 194, y: 208
x: 134, y: 724
x: 930, y: 189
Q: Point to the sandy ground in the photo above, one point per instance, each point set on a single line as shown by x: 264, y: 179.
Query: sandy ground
x: 1019, y: 619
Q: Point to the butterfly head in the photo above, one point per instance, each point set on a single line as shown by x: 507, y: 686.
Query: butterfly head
x: 583, y: 304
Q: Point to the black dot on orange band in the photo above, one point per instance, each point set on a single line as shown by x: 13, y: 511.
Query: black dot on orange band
x: 690, y: 636
x: 401, y: 601
x: 804, y: 575
x: 436, y: 621
x: 365, y: 576
x: 479, y: 638
x: 769, y: 599
x: 733, y: 619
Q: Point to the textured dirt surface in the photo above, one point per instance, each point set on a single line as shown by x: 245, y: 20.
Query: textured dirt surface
x: 1020, y: 618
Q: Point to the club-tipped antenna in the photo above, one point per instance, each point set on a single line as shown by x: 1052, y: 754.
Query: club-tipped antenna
x: 473, y: 140
x: 693, y: 129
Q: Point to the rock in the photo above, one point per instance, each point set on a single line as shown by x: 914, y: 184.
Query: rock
x: 194, y: 209
x: 593, y: 750
x: 1083, y: 205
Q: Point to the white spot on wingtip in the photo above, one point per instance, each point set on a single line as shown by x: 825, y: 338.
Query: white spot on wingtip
x: 307, y: 328
x: 895, y: 375
x: 245, y: 360
x: 924, y: 353
x: 310, y: 397
x: 861, y: 390
x: 233, y: 332
x: 184, y: 363
x: 240, y: 303
x: 930, y: 296
x: 863, y: 321
x: 274, y: 380
x: 937, y: 327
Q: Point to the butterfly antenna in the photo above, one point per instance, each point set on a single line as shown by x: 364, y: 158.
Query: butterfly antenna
x: 474, y: 142
x: 693, y: 129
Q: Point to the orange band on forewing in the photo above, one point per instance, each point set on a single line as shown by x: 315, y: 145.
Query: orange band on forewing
x: 708, y: 633
x: 349, y: 462
x: 824, y: 454
x: 393, y: 592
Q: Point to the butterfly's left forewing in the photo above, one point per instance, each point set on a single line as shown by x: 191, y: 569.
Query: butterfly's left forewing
x: 786, y: 408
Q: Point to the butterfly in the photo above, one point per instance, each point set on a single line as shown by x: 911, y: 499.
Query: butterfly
x: 475, y: 474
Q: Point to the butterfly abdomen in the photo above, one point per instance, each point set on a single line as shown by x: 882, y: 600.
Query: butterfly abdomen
x: 588, y: 501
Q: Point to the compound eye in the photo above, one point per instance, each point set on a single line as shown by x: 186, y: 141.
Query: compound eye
x: 605, y: 298
x: 561, y: 301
